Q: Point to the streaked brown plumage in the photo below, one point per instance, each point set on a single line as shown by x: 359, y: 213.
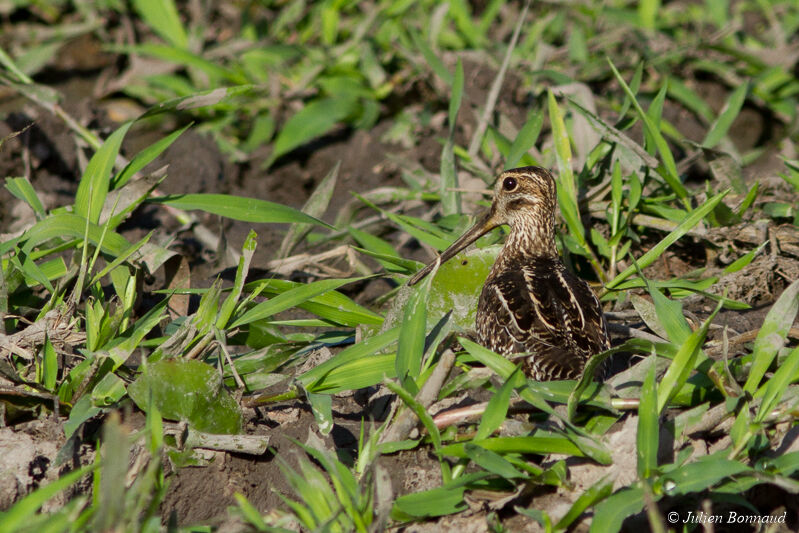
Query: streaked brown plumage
x: 530, y: 302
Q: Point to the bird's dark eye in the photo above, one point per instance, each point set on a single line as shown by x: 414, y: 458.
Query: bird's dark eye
x: 509, y: 184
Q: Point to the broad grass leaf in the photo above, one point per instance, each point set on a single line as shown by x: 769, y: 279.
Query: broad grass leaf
x: 291, y: 298
x: 22, y: 189
x: 313, y: 120
x: 232, y: 299
x: 65, y: 225
x: 315, y: 206
x: 364, y: 349
x: 648, y: 13
x: 648, y: 432
x: 492, y: 461
x: 525, y: 139
x: 567, y: 187
x: 591, y: 496
x: 610, y: 513
x: 703, y: 473
x: 670, y: 315
x: 728, y: 114
x: 391, y: 262
x: 145, y: 157
x: 684, y: 363
x: 692, y: 219
x: 429, y: 503
x: 219, y: 74
x: 778, y: 384
x: 330, y: 305
x: 94, y: 184
x: 670, y: 175
x: 237, y: 208
x: 497, y: 409
x: 772, y: 335
x: 322, y: 408
x: 190, y: 391
x: 410, y: 349
x: 211, y: 97
x: 250, y: 512
x: 356, y: 374
x: 49, y: 365
x: 540, y: 443
x: 419, y: 410
x: 19, y: 515
x: 162, y: 17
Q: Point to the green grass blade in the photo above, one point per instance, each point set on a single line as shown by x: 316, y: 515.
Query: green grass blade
x: 567, y: 187
x: 492, y: 462
x: 22, y: 511
x: 419, y: 410
x: 683, y: 363
x: 648, y: 432
x: 728, y: 114
x: 22, y: 189
x: 348, y: 375
x: 162, y: 17
x: 237, y: 208
x: 432, y: 59
x: 610, y: 514
x: 671, y: 176
x: 313, y: 120
x: 594, y: 494
x: 289, y: 299
x: 118, y: 260
x: 93, y: 186
x: 669, y: 314
x: 540, y: 443
x: 497, y: 408
x: 145, y: 157
x: 450, y: 197
x: 693, y: 218
x: 703, y: 473
x: 772, y: 335
x: 366, y: 348
x: 249, y: 512
x: 331, y: 305
x: 211, y: 97
x: 232, y: 299
x: 49, y: 365
x: 778, y: 384
x: 66, y: 225
x: 525, y: 139
x: 647, y: 13
x: 315, y: 206
x: 410, y: 349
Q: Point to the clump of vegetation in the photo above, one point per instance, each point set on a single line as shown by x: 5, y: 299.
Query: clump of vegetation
x: 669, y: 205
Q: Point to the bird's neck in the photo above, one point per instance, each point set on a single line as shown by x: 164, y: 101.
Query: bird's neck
x: 528, y: 238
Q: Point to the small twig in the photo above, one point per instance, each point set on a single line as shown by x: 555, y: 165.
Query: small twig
x: 496, y: 87
x: 747, y: 336
x: 407, y: 419
x: 200, y: 346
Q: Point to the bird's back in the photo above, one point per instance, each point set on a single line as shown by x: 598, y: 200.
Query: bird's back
x: 535, y: 305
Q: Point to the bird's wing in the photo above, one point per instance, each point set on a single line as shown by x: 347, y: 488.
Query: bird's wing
x: 551, y: 313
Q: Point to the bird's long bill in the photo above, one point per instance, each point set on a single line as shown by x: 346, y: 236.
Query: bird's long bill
x: 480, y: 228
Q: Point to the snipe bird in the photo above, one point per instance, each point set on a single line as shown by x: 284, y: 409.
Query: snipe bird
x: 530, y: 302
